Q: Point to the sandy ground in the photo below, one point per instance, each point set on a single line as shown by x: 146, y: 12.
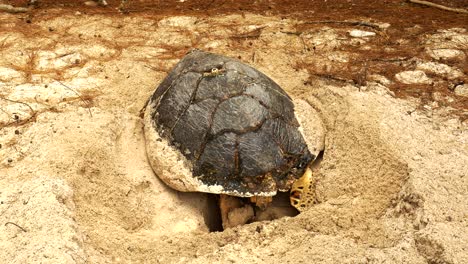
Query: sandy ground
x: 76, y: 186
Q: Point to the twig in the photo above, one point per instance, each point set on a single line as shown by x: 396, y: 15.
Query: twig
x: 298, y: 34
x: 155, y: 69
x: 32, y: 117
x: 83, y: 100
x: 391, y: 60
x: 252, y: 34
x: 11, y: 223
x: 247, y: 36
x: 361, y: 79
x: 331, y: 77
x: 292, y: 33
x: 451, y: 9
x: 5, y: 112
x: 12, y: 9
x: 351, y: 23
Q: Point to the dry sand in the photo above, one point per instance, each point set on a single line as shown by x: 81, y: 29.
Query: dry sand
x: 76, y: 186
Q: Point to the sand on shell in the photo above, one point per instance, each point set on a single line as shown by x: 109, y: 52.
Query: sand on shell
x: 76, y: 185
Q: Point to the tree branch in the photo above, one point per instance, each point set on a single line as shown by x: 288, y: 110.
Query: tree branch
x: 12, y: 9
x: 426, y: 3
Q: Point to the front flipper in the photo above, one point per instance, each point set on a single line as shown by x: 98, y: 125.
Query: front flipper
x: 234, y: 211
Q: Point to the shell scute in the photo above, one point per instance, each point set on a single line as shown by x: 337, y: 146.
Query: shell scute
x: 191, y: 129
x: 238, y: 114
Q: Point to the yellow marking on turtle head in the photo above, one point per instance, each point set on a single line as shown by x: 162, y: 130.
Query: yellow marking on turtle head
x: 302, y: 194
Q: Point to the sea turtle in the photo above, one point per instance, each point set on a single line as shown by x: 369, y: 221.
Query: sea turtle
x: 217, y: 125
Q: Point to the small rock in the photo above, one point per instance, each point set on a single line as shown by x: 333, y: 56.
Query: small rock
x: 384, y: 25
x: 427, y: 107
x: 444, y: 54
x: 440, y: 69
x: 413, y: 77
x: 356, y: 33
x: 461, y: 90
x: 96, y: 3
x: 438, y: 96
x: 91, y: 3
x: 380, y: 79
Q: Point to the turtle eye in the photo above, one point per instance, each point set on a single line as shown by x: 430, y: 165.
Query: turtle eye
x: 302, y: 164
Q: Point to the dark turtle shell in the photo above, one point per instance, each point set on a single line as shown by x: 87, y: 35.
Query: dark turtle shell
x: 235, y: 125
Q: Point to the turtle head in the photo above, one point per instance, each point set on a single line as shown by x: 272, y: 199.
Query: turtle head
x: 302, y: 192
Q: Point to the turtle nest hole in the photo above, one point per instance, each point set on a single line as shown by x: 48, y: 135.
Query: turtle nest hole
x: 280, y: 207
